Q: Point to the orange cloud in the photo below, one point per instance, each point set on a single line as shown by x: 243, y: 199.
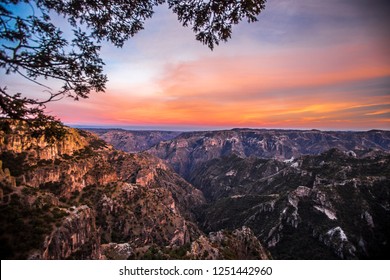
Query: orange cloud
x: 330, y: 87
x: 251, y: 75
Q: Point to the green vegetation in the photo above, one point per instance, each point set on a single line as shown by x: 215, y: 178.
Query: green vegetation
x: 97, y: 143
x: 298, y: 243
x: 54, y: 187
x: 84, y: 252
x: 7, y: 189
x: 16, y: 163
x: 155, y: 252
x: 5, y: 126
x: 23, y: 227
x: 84, y: 153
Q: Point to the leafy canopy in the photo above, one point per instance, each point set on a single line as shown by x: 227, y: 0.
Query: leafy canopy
x: 32, y: 46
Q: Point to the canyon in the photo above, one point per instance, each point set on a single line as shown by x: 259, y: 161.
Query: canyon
x: 79, y: 198
x: 231, y: 194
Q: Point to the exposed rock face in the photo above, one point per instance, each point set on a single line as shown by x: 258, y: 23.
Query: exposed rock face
x: 36, y: 225
x: 237, y: 245
x: 20, y: 141
x: 76, y: 237
x: 6, y: 179
x: 129, y: 213
x: 190, y: 150
x: 305, y: 194
x: 76, y: 194
x: 337, y: 203
x: 229, y: 245
x: 114, y: 251
x: 236, y: 176
x: 133, y: 141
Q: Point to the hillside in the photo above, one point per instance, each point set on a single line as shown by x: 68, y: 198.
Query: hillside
x: 247, y: 194
x: 79, y: 198
x: 305, y: 194
x: 190, y: 150
x: 132, y: 141
x: 327, y: 206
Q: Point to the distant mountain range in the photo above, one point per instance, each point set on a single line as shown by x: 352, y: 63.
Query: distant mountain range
x: 191, y: 149
x: 132, y: 141
x: 234, y: 194
x: 291, y: 187
x: 79, y: 198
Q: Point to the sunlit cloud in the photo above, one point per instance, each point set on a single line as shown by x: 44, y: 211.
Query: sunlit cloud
x: 305, y: 64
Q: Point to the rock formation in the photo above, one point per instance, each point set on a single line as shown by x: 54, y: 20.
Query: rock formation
x: 77, y: 193
x: 247, y: 194
x: 133, y: 141
x: 191, y: 150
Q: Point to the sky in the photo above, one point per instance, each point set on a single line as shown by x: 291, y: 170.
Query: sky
x: 305, y: 64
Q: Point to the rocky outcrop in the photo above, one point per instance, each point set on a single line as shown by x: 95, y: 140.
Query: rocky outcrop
x: 76, y: 237
x: 133, y: 141
x: 334, y: 200
x: 6, y: 178
x: 223, y: 245
x: 19, y: 139
x: 291, y: 187
x: 235, y: 176
x: 239, y: 244
x: 79, y: 198
x: 129, y: 213
x: 190, y: 150
x: 115, y: 251
x: 76, y: 194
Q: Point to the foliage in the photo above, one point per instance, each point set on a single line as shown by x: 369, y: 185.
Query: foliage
x: 153, y: 253
x: 35, y: 48
x: 212, y: 21
x: 52, y: 186
x: 97, y: 144
x: 18, y: 218
x: 16, y: 163
x: 37, y: 122
x: 300, y: 244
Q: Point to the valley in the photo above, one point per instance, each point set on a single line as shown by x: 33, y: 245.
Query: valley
x: 234, y: 194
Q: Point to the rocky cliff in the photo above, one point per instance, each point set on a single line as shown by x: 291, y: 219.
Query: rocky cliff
x: 78, y: 198
x: 221, y: 245
x: 75, y: 194
x: 305, y: 194
x: 296, y: 194
x: 191, y: 150
x: 131, y: 140
x: 240, y: 244
x: 333, y: 205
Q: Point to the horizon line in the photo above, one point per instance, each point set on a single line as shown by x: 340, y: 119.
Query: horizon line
x: 178, y: 128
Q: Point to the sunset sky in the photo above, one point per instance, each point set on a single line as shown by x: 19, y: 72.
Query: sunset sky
x: 305, y: 64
